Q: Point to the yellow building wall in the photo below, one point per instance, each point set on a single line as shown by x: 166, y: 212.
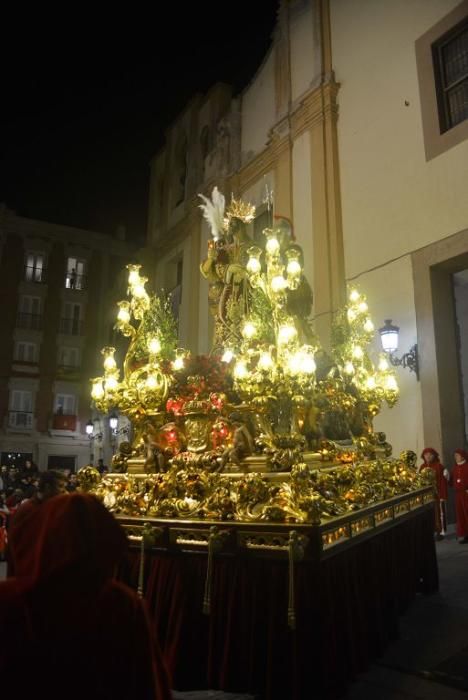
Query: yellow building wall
x: 304, y: 47
x: 393, y: 200
x: 302, y: 203
x: 258, y: 109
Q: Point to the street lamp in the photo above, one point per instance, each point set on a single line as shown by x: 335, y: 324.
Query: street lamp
x: 389, y: 336
x: 113, y: 422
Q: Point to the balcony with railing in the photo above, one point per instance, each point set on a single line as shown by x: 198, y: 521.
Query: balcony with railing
x: 29, y: 321
x: 71, y: 326
x: 38, y: 275
x: 20, y: 419
x: 75, y: 281
x: 62, y: 421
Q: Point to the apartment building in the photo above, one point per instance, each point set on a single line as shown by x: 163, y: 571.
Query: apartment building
x: 58, y: 287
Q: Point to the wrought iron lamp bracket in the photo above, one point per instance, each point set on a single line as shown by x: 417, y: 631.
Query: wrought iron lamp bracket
x: 409, y: 360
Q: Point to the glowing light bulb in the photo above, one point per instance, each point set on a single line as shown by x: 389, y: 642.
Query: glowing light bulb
x: 240, y: 370
x: 278, y: 283
x: 383, y: 364
x: 123, y: 313
x: 293, y: 267
x: 97, y: 391
x: 391, y: 383
x: 109, y: 363
x: 370, y: 383
x: 308, y: 365
x: 295, y: 363
x: 357, y: 352
x: 111, y: 384
x: 138, y: 291
x: 227, y: 356
x: 133, y: 274
x: 272, y: 245
x: 354, y: 295
x: 154, y: 346
x: 254, y: 266
x: 368, y: 326
x: 151, y: 381
x: 286, y: 333
x: 349, y: 368
x: 363, y: 307
x: 178, y: 363
x: 351, y: 314
x: 249, y: 330
x: 265, y: 361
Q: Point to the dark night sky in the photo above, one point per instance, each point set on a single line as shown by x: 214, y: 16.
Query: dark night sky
x: 85, y: 101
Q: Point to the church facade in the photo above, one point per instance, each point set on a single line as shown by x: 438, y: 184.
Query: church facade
x: 357, y: 122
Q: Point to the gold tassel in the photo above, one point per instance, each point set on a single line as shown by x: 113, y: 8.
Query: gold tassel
x: 207, y: 595
x: 142, y: 568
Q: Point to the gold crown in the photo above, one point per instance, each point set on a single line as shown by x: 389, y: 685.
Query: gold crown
x: 239, y: 210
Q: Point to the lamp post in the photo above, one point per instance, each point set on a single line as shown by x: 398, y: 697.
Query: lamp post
x: 389, y: 336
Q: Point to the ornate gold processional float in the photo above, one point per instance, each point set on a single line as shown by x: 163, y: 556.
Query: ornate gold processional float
x: 267, y: 433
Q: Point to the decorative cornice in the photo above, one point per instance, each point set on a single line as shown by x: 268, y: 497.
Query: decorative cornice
x: 318, y: 106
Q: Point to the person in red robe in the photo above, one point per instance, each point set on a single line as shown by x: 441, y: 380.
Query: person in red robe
x: 68, y: 624
x: 431, y: 460
x: 459, y: 480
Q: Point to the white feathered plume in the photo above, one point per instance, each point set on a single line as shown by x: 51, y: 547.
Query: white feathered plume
x: 213, y: 211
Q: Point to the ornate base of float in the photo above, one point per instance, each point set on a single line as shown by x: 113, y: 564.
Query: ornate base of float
x: 287, y: 603
x: 275, y: 538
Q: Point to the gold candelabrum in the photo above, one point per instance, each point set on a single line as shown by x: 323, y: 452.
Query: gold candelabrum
x: 140, y: 389
x: 279, y: 395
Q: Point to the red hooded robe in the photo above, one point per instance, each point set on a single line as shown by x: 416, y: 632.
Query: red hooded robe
x: 459, y: 480
x: 68, y: 626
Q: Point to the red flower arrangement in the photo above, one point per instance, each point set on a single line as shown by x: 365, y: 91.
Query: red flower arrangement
x: 203, y: 379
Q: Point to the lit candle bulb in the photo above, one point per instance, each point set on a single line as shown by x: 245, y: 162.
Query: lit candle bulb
x: 97, y: 391
x: 240, y: 370
x: 272, y: 245
x: 227, y: 356
x: 383, y: 364
x: 286, y: 333
x: 123, y: 314
x: 111, y: 384
x: 368, y: 326
x: 253, y: 264
x: 154, y: 346
x: 178, y: 362
x: 391, y: 383
x: 265, y: 361
x: 278, y: 283
x: 357, y: 352
x: 133, y: 274
x: 151, y: 381
x: 109, y: 360
x: 354, y: 295
x: 349, y: 368
x: 370, y: 383
x: 249, y: 329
